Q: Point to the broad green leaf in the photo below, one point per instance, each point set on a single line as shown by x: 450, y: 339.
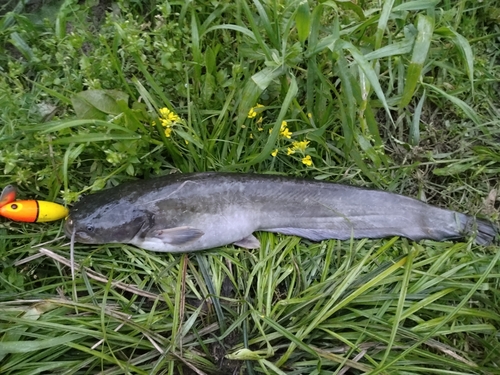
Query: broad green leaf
x: 303, y: 20
x: 97, y: 104
x: 264, y: 78
x: 425, y: 26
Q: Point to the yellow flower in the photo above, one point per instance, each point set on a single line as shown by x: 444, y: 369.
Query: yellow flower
x: 168, y: 132
x: 260, y: 119
x: 310, y: 115
x: 274, y: 153
x: 307, y: 160
x: 286, y: 133
x: 251, y: 136
x: 168, y: 117
x: 290, y: 151
x: 300, y: 146
x: 252, y: 113
x: 174, y: 118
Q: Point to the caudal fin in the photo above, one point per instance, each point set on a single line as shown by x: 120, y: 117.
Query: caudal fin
x: 486, y: 232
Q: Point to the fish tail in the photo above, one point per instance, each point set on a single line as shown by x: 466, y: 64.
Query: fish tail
x: 486, y: 232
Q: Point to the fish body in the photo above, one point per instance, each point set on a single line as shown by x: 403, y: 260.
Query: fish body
x: 189, y: 212
x: 29, y: 211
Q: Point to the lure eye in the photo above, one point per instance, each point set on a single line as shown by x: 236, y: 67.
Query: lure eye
x: 13, y: 206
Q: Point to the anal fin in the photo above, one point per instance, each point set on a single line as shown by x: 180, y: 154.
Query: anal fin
x: 249, y: 242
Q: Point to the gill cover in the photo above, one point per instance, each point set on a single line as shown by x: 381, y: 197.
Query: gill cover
x: 113, y: 222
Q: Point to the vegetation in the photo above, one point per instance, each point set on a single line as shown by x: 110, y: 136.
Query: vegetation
x: 389, y: 94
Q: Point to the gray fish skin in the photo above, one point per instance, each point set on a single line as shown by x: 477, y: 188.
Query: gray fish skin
x: 189, y: 212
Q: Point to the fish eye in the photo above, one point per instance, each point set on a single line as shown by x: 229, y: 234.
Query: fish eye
x: 13, y: 206
x: 90, y: 228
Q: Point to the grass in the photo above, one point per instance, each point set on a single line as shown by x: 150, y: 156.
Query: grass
x: 401, y: 96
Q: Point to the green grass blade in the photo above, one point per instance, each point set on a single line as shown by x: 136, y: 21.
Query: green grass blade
x: 416, y: 5
x: 425, y: 26
x: 465, y: 49
x: 34, y: 345
x: 368, y: 71
x: 245, y: 31
x: 23, y: 47
x: 464, y: 107
x: 415, y: 124
x: 382, y: 22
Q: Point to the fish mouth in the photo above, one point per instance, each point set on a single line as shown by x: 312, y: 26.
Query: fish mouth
x: 70, y: 231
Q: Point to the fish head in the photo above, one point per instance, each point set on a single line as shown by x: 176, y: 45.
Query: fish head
x: 115, y: 221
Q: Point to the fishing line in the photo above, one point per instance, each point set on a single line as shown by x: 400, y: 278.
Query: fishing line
x: 174, y: 192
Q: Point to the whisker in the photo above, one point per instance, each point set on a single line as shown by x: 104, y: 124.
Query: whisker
x: 72, y: 254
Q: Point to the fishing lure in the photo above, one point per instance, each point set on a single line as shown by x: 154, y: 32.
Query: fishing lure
x: 29, y: 211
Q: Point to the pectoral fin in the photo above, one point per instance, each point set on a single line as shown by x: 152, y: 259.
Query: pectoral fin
x: 249, y: 242
x: 178, y: 235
